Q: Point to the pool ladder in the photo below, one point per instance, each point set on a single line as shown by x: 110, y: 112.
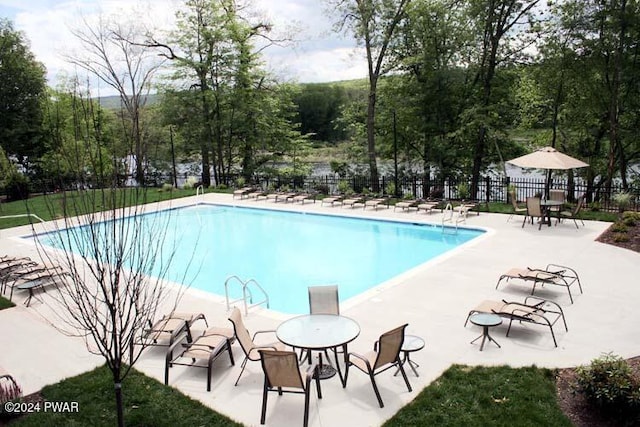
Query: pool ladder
x: 246, y: 293
x: 449, y: 216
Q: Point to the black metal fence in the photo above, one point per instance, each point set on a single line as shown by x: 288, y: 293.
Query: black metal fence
x: 490, y: 189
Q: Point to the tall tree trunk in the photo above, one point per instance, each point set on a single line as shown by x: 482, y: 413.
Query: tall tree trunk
x: 371, y: 137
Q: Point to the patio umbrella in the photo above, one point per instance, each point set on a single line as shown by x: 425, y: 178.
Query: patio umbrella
x: 547, y: 158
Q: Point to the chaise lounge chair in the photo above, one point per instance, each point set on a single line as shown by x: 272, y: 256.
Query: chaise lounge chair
x: 168, y: 329
x: 553, y: 274
x: 428, y: 207
x: 406, y: 204
x: 533, y: 310
x: 374, y: 203
x: 207, y: 347
x: 352, y: 201
x: 41, y: 282
x: 332, y: 200
x: 242, y: 192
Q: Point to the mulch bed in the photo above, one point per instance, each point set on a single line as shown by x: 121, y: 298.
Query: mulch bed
x: 576, y: 407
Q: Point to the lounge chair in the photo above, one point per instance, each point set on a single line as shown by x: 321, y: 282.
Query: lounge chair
x: 428, y: 207
x: 283, y: 374
x: 303, y: 197
x: 332, y: 200
x: 27, y: 273
x: 249, y: 347
x: 533, y: 310
x: 242, y: 192
x: 167, y: 330
x: 207, y: 347
x: 573, y: 214
x: 553, y: 274
x: 352, y: 201
x: 374, y: 203
x: 42, y: 282
x: 406, y: 204
x: 385, y: 355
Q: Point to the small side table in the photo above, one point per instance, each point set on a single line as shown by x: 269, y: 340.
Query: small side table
x: 410, y: 344
x: 486, y: 320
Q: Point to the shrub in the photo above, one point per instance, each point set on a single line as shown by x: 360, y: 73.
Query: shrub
x: 321, y: 188
x: 620, y: 237
x: 390, y: 188
x: 436, y: 193
x: 9, y: 389
x: 191, y: 183
x: 240, y: 181
x: 609, y: 383
x: 623, y: 200
x: 17, y: 187
x: 619, y: 227
x: 343, y: 187
x: 167, y: 187
x: 463, y: 190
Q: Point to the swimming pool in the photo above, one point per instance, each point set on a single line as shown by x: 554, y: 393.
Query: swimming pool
x: 285, y: 252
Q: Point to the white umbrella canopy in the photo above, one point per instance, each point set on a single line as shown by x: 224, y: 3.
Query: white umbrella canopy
x: 548, y: 158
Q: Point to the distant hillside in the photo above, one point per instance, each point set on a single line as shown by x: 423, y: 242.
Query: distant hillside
x: 113, y: 102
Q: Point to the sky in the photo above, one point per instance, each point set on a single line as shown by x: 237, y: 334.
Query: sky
x: 319, y: 54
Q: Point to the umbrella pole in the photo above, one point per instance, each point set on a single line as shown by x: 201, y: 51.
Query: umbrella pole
x: 547, y: 184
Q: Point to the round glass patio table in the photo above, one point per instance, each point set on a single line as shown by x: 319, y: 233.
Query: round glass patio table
x: 486, y: 320
x: 319, y: 332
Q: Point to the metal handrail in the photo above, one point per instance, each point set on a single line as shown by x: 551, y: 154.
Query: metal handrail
x: 246, y: 294
x: 198, y: 189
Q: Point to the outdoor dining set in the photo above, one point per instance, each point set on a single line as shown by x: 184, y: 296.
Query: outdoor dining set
x: 324, y: 331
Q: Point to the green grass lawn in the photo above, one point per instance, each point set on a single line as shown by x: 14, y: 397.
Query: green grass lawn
x: 462, y: 396
x: 52, y: 205
x: 485, y: 396
x: 5, y: 303
x: 146, y: 403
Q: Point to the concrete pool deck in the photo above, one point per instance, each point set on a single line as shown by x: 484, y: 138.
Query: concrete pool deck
x: 434, y: 299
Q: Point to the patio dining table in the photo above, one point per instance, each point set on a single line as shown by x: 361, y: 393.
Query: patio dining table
x: 320, y: 332
x: 546, y: 206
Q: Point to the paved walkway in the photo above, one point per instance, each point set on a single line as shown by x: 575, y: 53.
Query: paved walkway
x: 433, y: 298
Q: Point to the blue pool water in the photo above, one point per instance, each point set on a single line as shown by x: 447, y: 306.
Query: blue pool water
x: 285, y: 252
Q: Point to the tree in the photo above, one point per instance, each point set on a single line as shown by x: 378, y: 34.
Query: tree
x: 110, y: 52
x: 499, y: 39
x: 116, y: 257
x: 22, y: 87
x: 373, y: 23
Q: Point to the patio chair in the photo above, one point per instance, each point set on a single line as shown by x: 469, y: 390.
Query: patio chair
x: 322, y: 300
x: 533, y: 310
x: 249, y: 347
x: 553, y: 274
x: 385, y: 355
x: 517, y: 210
x: 207, y: 347
x: 283, y: 375
x: 574, y: 214
x: 559, y: 196
x: 166, y: 331
x: 534, y: 210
